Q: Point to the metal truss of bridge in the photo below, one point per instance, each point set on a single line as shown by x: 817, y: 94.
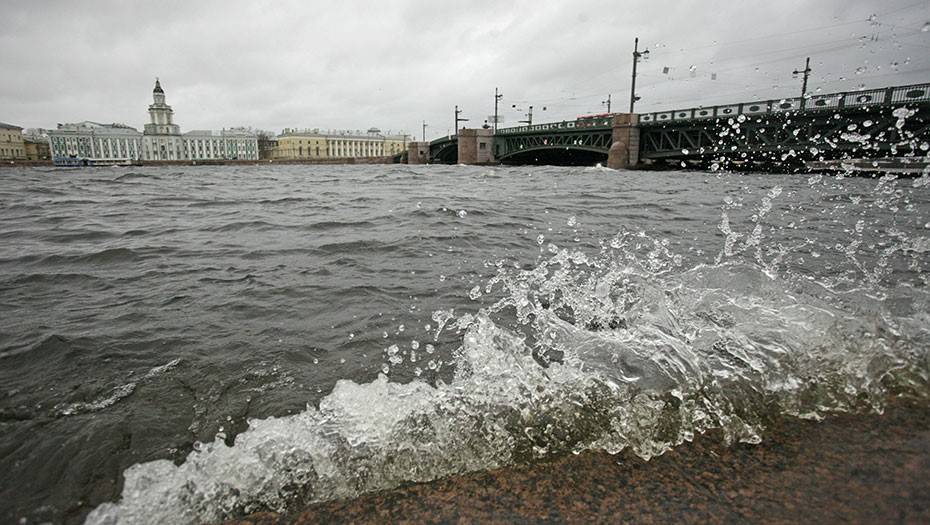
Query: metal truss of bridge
x: 556, y: 138
x: 870, y: 123
x: 884, y: 122
x: 444, y: 150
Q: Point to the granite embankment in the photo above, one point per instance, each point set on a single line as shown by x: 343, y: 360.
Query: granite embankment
x: 850, y: 468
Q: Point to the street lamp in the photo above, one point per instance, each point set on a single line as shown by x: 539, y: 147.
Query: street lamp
x: 806, y: 71
x: 529, y: 114
x: 458, y: 119
x: 636, y: 56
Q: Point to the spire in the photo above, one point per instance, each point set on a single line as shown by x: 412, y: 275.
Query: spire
x: 157, y: 87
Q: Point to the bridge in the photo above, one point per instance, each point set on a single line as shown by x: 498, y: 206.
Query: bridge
x: 883, y: 122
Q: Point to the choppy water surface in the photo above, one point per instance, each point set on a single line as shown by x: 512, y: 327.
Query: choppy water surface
x: 182, y: 345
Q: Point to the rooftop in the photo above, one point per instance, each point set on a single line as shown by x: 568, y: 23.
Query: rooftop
x: 373, y: 133
x: 4, y: 125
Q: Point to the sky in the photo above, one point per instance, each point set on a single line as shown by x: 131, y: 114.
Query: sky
x: 394, y: 64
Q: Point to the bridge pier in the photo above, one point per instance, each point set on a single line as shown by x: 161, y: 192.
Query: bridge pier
x: 418, y: 153
x: 476, y: 146
x: 624, y: 148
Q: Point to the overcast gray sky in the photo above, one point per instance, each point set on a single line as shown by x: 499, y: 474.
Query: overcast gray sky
x: 392, y: 64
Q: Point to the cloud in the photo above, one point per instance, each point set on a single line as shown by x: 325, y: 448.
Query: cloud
x: 357, y: 64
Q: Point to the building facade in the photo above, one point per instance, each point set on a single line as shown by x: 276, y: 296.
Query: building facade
x: 163, y: 139
x: 227, y: 144
x: 91, y: 143
x: 11, y: 142
x: 313, y: 144
x: 37, y: 148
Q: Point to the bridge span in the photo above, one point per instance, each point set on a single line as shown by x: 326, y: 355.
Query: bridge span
x: 873, y: 123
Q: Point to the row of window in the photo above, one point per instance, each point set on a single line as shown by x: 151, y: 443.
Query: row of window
x: 94, y: 147
x: 11, y: 153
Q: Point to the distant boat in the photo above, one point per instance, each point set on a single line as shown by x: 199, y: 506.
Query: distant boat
x: 89, y: 161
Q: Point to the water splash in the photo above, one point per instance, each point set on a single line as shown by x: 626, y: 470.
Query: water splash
x: 623, y: 349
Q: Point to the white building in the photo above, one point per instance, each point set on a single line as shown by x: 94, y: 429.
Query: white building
x: 218, y: 145
x: 164, y: 140
x: 91, y: 143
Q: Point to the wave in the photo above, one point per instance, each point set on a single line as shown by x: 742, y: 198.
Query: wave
x: 114, y: 395
x: 106, y: 256
x: 136, y: 176
x: 335, y: 225
x: 609, y: 352
x: 246, y: 225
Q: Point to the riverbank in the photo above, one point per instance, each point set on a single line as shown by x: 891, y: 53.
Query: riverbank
x: 850, y: 468
x: 218, y: 162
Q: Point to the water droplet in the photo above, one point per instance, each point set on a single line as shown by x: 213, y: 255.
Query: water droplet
x: 925, y: 28
x: 867, y: 123
x: 540, y: 239
x: 462, y: 213
x: 572, y: 221
x: 685, y: 151
x: 414, y: 344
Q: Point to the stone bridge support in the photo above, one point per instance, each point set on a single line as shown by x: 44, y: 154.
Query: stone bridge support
x: 476, y: 146
x: 624, y: 150
x: 418, y: 153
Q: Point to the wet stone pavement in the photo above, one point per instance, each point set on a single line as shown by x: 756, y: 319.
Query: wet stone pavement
x: 850, y: 468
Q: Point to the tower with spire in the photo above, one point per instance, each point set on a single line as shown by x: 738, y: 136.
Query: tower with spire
x: 162, y: 137
x: 161, y: 115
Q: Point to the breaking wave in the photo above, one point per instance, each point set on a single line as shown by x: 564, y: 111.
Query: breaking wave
x: 612, y: 351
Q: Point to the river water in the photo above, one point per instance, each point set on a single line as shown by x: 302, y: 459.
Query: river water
x: 186, y: 344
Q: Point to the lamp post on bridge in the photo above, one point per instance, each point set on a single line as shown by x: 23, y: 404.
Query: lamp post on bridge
x: 497, y: 98
x: 636, y: 56
x: 607, y: 102
x: 529, y: 114
x: 424, y: 131
x: 806, y: 71
x: 458, y: 119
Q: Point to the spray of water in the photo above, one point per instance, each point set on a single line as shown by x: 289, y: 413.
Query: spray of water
x: 626, y: 348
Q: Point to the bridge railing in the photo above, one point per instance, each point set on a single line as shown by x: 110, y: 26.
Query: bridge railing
x: 565, y: 125
x: 442, y: 140
x: 919, y: 93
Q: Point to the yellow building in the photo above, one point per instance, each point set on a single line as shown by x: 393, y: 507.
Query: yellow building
x: 301, y: 145
x: 36, y: 148
x: 316, y: 145
x: 12, y: 146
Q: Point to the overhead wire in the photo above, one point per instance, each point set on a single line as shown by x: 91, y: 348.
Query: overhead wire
x: 578, y: 100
